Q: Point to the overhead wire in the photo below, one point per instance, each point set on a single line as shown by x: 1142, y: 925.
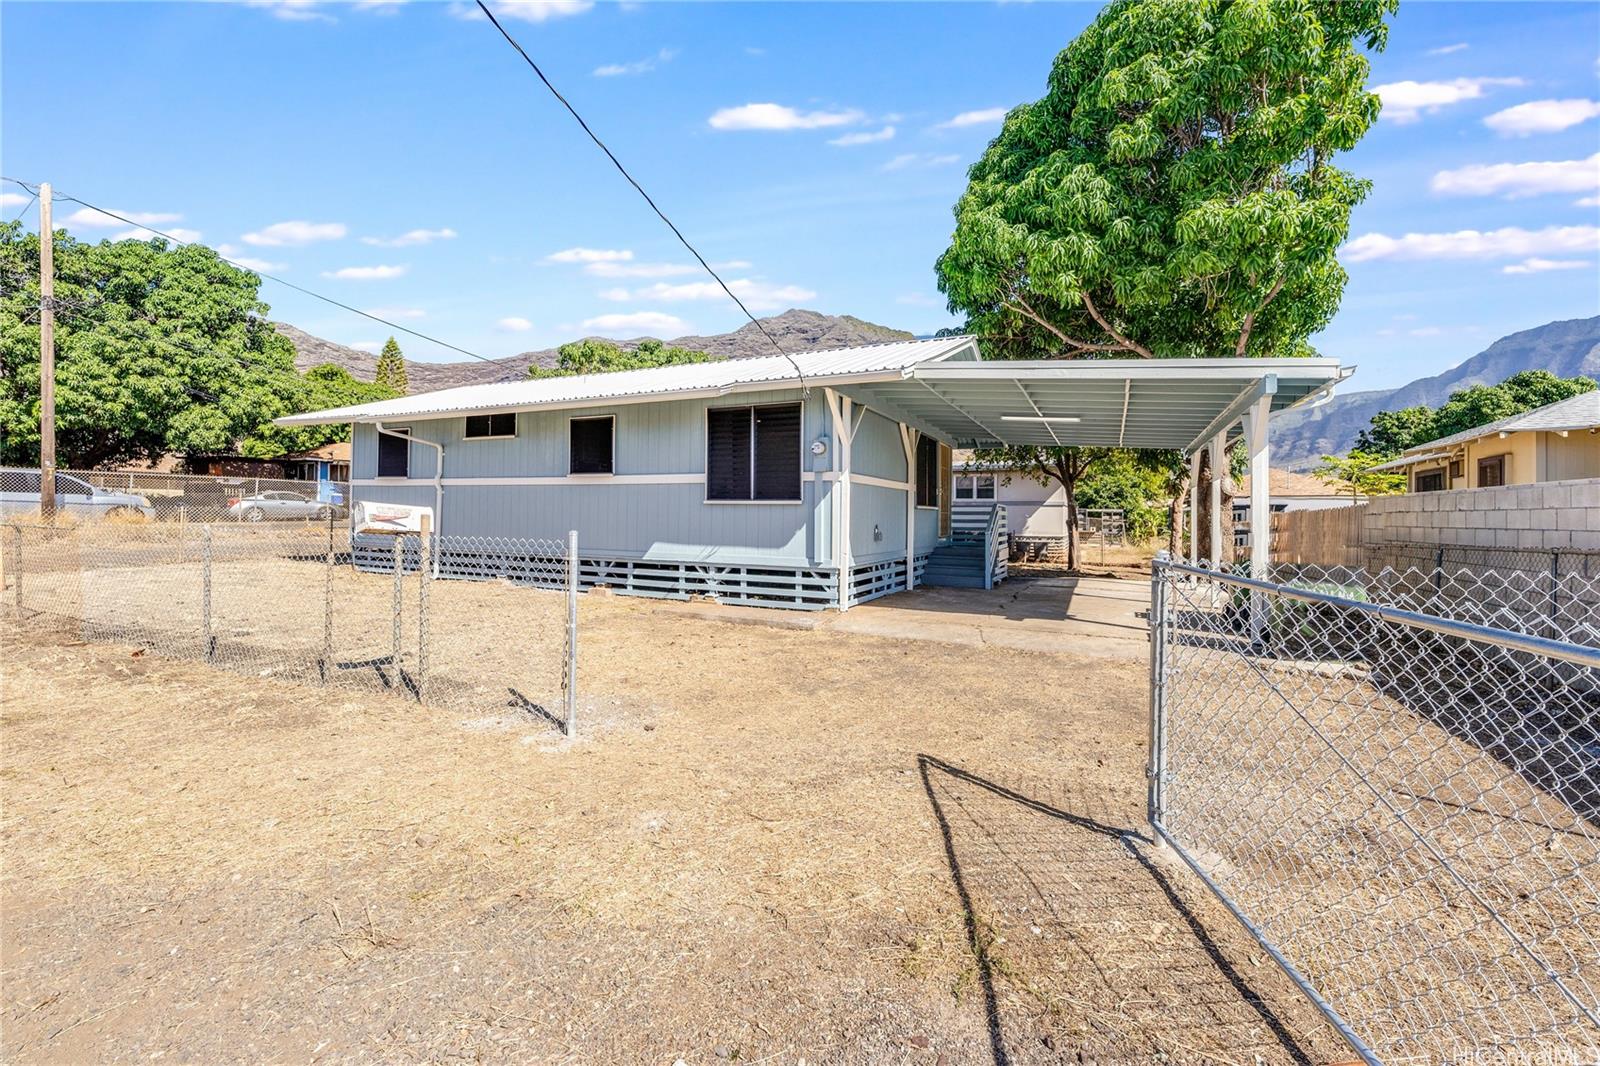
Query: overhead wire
x: 261, y: 273
x: 676, y: 232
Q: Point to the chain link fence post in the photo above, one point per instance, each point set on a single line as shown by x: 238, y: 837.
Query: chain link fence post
x: 210, y: 642
x: 1157, y: 768
x: 16, y: 569
x: 571, y: 678
x: 425, y: 551
x: 399, y: 602
x: 326, y: 662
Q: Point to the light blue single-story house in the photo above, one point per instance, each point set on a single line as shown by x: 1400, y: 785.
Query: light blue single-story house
x: 764, y: 480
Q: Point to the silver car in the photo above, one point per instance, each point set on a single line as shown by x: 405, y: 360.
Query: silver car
x: 19, y: 497
x: 264, y: 506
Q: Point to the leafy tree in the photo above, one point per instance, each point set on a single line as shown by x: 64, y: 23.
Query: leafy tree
x: 1391, y: 432
x: 391, y: 369
x: 1481, y: 404
x: 1125, y: 482
x: 158, y: 350
x: 1066, y: 467
x: 1354, y: 472
x: 322, y: 387
x: 1173, y: 193
x: 594, y: 355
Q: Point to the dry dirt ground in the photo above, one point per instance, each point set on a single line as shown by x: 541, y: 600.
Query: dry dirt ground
x: 770, y: 845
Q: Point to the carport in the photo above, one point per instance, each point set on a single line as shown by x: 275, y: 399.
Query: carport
x: 1180, y: 404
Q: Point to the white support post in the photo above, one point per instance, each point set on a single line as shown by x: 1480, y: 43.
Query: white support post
x: 843, y: 432
x: 1193, y: 555
x: 1218, y: 458
x: 1255, y: 437
x: 908, y: 441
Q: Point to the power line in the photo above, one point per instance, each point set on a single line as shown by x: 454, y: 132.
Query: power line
x: 640, y: 189
x: 31, y: 198
x: 264, y: 274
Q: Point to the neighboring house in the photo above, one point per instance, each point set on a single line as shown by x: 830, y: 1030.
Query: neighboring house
x: 1288, y: 491
x: 1557, y: 442
x: 328, y: 466
x: 1036, y: 514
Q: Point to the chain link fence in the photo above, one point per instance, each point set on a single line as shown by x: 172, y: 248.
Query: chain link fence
x: 132, y: 496
x: 308, y: 603
x: 1393, y: 781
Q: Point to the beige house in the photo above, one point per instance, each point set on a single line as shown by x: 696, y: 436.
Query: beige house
x: 1557, y: 442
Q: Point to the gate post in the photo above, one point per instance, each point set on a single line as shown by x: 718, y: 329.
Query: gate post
x: 1160, y: 632
x: 399, y: 601
x: 425, y: 552
x: 571, y: 679
x: 205, y: 595
x: 327, y: 608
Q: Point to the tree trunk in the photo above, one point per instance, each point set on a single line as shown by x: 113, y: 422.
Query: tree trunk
x: 1203, y: 549
x: 1072, y: 527
x: 1175, y: 518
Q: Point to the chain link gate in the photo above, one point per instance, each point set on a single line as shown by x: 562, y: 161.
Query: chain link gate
x: 1402, y: 808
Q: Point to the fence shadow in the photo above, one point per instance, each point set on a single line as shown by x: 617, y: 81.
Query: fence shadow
x: 1081, y: 944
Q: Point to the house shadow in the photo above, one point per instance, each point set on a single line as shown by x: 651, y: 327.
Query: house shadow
x: 1039, y: 594
x: 1084, y: 948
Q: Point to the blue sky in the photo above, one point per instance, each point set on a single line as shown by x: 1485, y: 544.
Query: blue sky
x: 399, y: 157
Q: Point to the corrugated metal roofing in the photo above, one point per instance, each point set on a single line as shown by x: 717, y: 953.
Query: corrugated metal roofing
x: 820, y: 367
x: 1575, y: 412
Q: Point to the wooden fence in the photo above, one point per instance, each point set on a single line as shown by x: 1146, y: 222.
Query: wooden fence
x: 1328, y: 537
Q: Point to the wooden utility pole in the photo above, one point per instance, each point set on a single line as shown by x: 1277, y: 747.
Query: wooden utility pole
x: 47, y: 358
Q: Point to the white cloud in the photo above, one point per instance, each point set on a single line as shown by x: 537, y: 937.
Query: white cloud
x: 1447, y: 49
x: 292, y: 10
x: 589, y: 255
x: 397, y: 312
x: 1589, y: 201
x: 1505, y: 243
x: 733, y: 264
x: 757, y: 295
x: 411, y: 237
x: 637, y: 322
x: 14, y: 199
x: 850, y: 140
x: 1407, y: 101
x: 177, y: 233
x: 238, y: 258
x: 639, y: 66
x: 617, y: 295
x: 608, y: 269
x: 371, y: 273
x: 89, y: 218
x: 282, y: 234
x: 779, y: 117
x: 919, y: 299
x: 1536, y: 265
x: 1542, y: 116
x: 989, y: 116
x: 525, y: 10
x: 513, y: 324
x: 1515, y: 181
x: 373, y: 347
x: 917, y: 159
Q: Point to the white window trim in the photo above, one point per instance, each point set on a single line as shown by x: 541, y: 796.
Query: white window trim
x: 403, y: 431
x: 751, y: 407
x: 592, y: 475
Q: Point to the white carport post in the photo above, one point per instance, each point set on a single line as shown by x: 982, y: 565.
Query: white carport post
x: 1218, y: 457
x: 908, y: 441
x: 1255, y: 440
x: 843, y: 434
x: 1194, y: 506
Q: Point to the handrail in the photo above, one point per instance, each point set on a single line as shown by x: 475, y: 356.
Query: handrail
x: 991, y: 537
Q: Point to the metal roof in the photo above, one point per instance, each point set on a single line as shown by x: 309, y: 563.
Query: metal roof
x: 827, y: 367
x: 941, y: 387
x: 1130, y: 403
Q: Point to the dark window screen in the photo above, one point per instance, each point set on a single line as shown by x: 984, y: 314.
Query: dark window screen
x: 502, y: 425
x: 1492, y: 472
x: 728, y: 453
x: 927, y: 472
x: 778, y: 452
x: 590, y: 440
x: 394, y: 456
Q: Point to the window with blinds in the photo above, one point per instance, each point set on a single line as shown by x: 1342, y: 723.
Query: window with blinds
x: 753, y: 453
x: 590, y: 444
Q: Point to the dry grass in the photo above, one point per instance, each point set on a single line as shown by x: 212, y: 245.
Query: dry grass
x: 775, y: 844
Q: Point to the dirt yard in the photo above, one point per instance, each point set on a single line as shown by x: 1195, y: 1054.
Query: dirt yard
x: 769, y: 845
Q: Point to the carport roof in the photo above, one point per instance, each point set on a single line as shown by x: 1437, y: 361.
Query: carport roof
x: 940, y: 387
x: 1129, y: 403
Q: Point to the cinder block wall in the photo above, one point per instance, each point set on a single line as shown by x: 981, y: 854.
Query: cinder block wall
x: 1543, y: 517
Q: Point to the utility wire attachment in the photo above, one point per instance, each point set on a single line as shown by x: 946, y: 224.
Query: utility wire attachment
x: 676, y: 232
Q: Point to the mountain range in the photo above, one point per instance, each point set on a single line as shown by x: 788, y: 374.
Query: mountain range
x: 796, y: 330
x: 1299, y: 438
x: 1567, y: 348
